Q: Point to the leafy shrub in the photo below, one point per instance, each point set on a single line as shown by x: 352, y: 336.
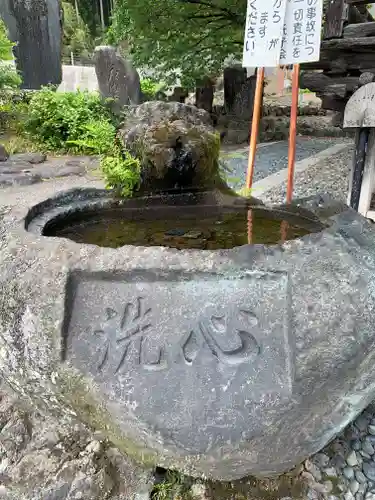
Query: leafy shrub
x: 150, y: 88
x: 76, y: 34
x: 12, y: 112
x: 6, y: 114
x: 56, y: 119
x: 121, y: 171
x: 5, y: 44
x: 98, y: 138
x: 9, y: 78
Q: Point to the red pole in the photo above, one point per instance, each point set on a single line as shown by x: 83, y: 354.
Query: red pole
x: 292, y: 133
x: 255, y: 126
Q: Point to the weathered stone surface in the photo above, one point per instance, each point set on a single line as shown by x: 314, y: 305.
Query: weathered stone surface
x: 359, y: 111
x: 233, y: 80
x: 4, y: 155
x: 59, y: 459
x: 176, y: 144
x: 10, y: 167
x: 117, y: 78
x: 220, y: 363
x: 25, y: 168
x: 33, y: 158
x: 366, y: 78
x: 244, y: 100
x: 20, y: 179
x: 36, y: 28
x: 204, y: 95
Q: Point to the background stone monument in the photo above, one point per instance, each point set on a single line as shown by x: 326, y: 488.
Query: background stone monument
x: 117, y: 78
x: 36, y: 28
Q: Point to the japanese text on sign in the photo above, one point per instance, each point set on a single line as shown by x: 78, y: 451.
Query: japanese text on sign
x: 263, y: 32
x: 301, y: 32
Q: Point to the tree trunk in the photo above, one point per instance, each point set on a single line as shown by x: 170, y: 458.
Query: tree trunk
x: 102, y: 14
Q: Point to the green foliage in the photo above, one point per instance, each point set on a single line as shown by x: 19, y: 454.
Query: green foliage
x: 5, y: 44
x: 150, y: 88
x: 7, y: 113
x: 9, y: 78
x: 98, y: 138
x: 121, y: 171
x: 89, y: 11
x: 76, y: 34
x: 194, y: 36
x: 55, y: 119
x: 18, y: 144
x: 13, y: 109
x: 175, y: 486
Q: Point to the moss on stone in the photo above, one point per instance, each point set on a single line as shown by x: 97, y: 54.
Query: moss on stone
x: 175, y: 141
x: 76, y: 391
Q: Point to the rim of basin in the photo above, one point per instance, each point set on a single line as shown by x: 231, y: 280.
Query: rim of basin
x: 72, y: 205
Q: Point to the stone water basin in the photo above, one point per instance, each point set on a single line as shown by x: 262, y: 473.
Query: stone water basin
x: 186, y: 346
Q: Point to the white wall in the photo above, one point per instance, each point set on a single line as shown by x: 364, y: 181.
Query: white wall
x: 78, y: 77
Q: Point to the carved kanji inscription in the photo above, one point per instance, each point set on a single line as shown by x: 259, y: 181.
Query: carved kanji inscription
x: 142, y: 331
x: 207, y: 330
x: 126, y: 330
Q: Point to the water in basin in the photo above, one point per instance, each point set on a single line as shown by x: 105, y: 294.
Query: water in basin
x: 204, y: 228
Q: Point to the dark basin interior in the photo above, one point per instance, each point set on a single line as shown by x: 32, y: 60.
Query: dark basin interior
x: 199, y: 227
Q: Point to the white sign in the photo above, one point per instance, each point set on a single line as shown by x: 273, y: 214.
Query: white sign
x: 263, y: 33
x: 302, y: 32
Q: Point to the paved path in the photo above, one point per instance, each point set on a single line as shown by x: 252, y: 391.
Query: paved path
x: 273, y: 157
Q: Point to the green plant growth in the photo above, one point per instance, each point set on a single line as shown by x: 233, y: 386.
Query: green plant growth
x: 98, y: 138
x: 150, y: 88
x: 5, y: 44
x: 174, y: 487
x: 90, y: 12
x: 9, y: 78
x: 14, y: 108
x: 194, y: 36
x: 76, y: 34
x: 121, y: 171
x: 56, y: 119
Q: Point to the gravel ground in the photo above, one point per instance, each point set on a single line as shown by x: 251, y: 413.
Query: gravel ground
x: 330, y: 176
x: 273, y: 157
x: 345, y: 469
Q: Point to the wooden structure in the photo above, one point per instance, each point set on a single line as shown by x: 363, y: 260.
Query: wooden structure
x: 360, y: 115
x: 347, y: 57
